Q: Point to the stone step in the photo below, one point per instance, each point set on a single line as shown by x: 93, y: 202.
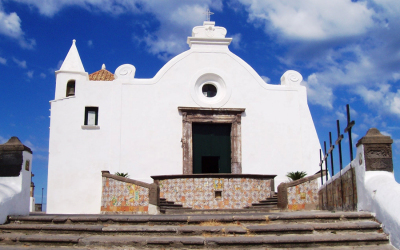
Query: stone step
x: 291, y: 228
x: 245, y: 228
x: 267, y: 202
x: 166, y: 202
x: 260, y: 210
x: 270, y: 200
x: 224, y: 216
x: 171, y: 205
x: 304, y: 241
x: 35, y: 247
x: 272, y: 205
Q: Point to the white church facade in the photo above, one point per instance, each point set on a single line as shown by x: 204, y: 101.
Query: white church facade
x: 205, y: 111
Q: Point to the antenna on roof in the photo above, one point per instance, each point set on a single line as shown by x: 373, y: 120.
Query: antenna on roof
x: 208, y: 13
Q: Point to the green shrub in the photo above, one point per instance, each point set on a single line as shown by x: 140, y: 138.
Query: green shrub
x: 296, y: 175
x: 126, y: 175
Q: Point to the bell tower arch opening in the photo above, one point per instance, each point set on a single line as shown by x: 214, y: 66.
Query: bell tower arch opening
x: 70, y: 88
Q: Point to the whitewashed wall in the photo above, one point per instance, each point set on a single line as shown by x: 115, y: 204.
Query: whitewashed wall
x: 140, y: 127
x: 15, y: 191
x: 379, y: 193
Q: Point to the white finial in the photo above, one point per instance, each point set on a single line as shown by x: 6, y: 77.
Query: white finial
x: 103, y: 66
x: 208, y: 13
x: 73, y: 41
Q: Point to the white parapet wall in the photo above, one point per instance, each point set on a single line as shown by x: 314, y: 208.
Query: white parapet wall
x: 379, y: 193
x: 14, y: 187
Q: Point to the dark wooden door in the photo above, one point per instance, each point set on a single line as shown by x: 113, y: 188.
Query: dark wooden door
x: 211, y: 148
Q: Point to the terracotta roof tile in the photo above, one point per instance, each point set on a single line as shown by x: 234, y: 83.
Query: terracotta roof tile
x: 101, y: 75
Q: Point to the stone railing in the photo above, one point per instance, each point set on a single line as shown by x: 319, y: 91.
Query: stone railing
x: 301, y: 194
x: 340, y: 192
x: 368, y: 182
x: 215, y: 191
x: 122, y: 195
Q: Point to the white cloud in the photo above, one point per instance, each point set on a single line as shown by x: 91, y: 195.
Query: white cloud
x: 40, y: 157
x: 33, y: 147
x: 354, y: 137
x: 10, y: 25
x: 43, y: 75
x: 176, y: 18
x: 176, y: 23
x: 21, y: 64
x: 382, y: 97
x: 30, y: 145
x: 386, y: 133
x: 347, y: 46
x: 318, y: 93
x: 51, y: 7
x: 266, y: 79
x: 3, y: 140
x: 90, y: 43
x: 340, y: 115
x: 236, y: 39
x: 311, y: 19
x: 3, y: 61
x: 60, y: 62
x: 30, y: 73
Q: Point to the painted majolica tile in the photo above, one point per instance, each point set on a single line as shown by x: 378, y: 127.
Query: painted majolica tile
x: 302, y: 194
x: 199, y: 193
x: 118, y: 196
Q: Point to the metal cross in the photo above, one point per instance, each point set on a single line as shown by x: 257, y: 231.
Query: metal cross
x: 350, y: 124
x: 339, y: 143
x: 320, y: 164
x: 330, y: 152
x: 326, y: 162
x: 208, y: 13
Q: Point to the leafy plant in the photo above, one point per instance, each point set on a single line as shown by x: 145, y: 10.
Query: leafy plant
x: 126, y: 175
x: 296, y: 175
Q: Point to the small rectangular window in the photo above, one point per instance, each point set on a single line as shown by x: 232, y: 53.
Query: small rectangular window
x: 91, y: 116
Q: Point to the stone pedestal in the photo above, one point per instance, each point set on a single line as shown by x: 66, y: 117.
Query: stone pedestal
x: 377, y: 151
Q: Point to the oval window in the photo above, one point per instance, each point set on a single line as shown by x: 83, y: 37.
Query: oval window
x: 209, y: 90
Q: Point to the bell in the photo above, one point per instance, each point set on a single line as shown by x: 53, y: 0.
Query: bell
x: 71, y: 92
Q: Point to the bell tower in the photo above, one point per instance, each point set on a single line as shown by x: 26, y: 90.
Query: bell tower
x: 70, y: 73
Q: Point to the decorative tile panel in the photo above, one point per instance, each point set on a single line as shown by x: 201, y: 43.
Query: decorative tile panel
x: 303, y: 194
x: 123, y: 197
x: 199, y: 193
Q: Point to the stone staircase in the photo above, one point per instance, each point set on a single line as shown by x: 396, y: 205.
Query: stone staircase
x: 168, y: 207
x: 280, y: 230
x: 270, y: 204
x: 267, y: 205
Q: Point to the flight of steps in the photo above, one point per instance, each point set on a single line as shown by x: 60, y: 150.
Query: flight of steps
x: 170, y: 207
x: 268, y: 204
x: 280, y: 230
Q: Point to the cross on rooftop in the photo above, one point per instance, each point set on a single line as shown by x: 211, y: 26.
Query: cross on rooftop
x: 208, y: 13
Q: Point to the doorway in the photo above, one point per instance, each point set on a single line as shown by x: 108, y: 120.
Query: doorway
x: 211, y: 147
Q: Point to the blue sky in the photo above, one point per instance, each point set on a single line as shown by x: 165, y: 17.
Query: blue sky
x: 347, y: 51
